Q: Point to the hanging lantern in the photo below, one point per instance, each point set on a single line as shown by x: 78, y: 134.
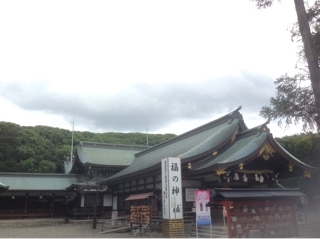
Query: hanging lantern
x: 256, y: 177
x: 261, y: 179
x: 236, y: 176
x: 245, y: 179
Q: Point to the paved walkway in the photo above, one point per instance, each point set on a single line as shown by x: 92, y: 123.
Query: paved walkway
x: 50, y: 228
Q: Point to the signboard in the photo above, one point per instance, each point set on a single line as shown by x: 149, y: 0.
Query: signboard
x: 107, y: 200
x: 171, y: 188
x: 203, y: 216
x: 190, y: 194
x: 304, y: 200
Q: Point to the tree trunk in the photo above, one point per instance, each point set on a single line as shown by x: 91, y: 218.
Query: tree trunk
x: 312, y: 59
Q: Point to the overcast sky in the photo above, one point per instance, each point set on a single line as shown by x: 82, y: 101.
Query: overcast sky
x: 127, y: 65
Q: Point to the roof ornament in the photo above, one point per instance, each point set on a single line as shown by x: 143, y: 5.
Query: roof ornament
x: 267, y: 151
x: 306, y: 174
x: 221, y: 171
x: 235, y: 114
x: 241, y: 166
x: 290, y: 167
x: 263, y: 127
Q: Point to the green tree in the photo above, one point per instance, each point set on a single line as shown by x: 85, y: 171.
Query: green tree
x: 287, y: 104
x: 43, y: 149
x: 45, y: 166
x: 8, y: 143
x: 28, y: 165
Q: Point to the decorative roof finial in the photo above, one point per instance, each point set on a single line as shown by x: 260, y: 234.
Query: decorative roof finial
x: 239, y: 108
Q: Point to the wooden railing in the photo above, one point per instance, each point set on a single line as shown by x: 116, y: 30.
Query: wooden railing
x: 41, y: 212
x: 11, y: 213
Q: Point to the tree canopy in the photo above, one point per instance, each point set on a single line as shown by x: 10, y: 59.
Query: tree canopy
x: 298, y: 97
x: 42, y: 149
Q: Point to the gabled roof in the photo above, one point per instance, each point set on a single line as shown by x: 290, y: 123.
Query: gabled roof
x: 246, y: 143
x: 222, y: 144
x: 190, y: 145
x: 248, y: 146
x: 104, y: 155
x: 38, y: 181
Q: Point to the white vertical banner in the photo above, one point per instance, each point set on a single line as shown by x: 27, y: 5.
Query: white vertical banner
x: 165, y: 186
x: 171, y: 188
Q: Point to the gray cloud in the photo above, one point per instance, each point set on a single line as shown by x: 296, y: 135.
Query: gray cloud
x: 163, y: 103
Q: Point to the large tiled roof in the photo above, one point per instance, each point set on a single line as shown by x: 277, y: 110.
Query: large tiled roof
x: 107, y: 154
x: 104, y: 155
x: 38, y: 181
x: 245, y: 147
x: 239, y: 149
x: 187, y: 145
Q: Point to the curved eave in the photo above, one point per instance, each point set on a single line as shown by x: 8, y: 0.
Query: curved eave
x: 219, y: 135
x: 284, y: 153
x: 133, y: 176
x: 199, y: 150
x: 234, y: 115
x: 69, y: 167
x: 246, y: 152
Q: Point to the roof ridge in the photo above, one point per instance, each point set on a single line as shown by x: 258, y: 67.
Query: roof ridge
x: 226, y: 118
x: 38, y: 174
x: 255, y: 130
x: 80, y: 142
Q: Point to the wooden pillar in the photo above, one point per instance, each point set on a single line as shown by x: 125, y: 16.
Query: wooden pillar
x: 203, y: 187
x: 25, y: 209
x: 52, y: 205
x: 123, y: 197
x: 227, y: 207
x: 67, y: 207
x: 101, y: 203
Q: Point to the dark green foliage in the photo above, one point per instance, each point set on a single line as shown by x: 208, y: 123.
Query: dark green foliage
x: 293, y: 103
x: 305, y: 147
x: 42, y: 149
x: 298, y: 97
x: 8, y: 147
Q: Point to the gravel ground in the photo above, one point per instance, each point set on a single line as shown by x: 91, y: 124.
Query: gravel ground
x: 19, y: 229
x: 15, y: 229
x: 65, y: 231
x: 59, y: 231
